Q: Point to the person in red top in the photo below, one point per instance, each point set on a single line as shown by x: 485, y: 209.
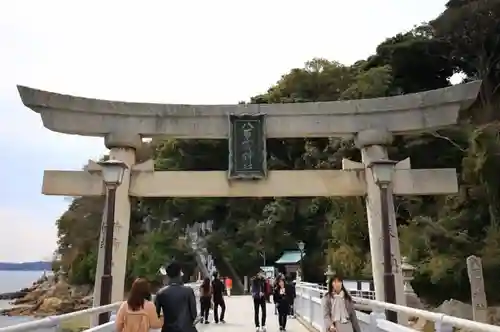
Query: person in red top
x: 229, y: 285
x: 269, y: 290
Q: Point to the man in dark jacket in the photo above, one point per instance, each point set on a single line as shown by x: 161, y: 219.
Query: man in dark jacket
x: 177, y: 302
x: 218, y: 290
x: 259, y: 300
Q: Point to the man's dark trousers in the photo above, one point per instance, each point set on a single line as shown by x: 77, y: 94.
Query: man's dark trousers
x: 259, y: 303
x: 219, y: 302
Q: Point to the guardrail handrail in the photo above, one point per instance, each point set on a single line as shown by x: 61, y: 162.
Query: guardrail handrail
x: 52, y: 321
x: 428, y: 315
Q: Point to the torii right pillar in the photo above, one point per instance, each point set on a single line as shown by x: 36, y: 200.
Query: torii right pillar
x: 373, y: 145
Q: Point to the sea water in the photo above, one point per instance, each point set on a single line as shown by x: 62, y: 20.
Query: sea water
x: 12, y: 281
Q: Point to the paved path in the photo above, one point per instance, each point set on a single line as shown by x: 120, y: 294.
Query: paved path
x: 239, y: 317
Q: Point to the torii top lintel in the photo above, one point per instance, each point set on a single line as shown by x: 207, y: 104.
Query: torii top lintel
x: 402, y: 114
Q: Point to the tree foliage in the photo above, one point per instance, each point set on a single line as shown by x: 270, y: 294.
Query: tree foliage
x: 436, y: 233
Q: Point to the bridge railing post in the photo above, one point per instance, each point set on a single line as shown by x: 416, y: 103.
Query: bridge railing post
x: 57, y: 324
x: 308, y: 305
x: 298, y: 303
x: 440, y: 326
x: 311, y: 304
x: 375, y: 315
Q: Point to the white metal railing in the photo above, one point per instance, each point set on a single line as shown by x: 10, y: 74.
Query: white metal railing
x: 308, y: 308
x: 55, y: 321
x: 365, y: 294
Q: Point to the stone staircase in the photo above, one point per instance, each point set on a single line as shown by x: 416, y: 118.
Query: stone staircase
x: 196, y: 236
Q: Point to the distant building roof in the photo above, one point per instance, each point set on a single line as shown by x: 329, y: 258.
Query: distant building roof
x: 289, y: 257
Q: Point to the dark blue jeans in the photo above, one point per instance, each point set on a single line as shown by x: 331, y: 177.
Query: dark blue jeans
x: 259, y: 303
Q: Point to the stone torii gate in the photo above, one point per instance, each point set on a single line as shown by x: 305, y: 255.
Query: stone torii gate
x: 372, y: 122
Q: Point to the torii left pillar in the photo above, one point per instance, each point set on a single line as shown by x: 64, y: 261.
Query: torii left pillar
x: 122, y: 147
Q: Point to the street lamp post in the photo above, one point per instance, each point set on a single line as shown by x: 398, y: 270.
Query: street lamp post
x: 112, y: 174
x: 382, y: 171
x: 263, y: 255
x: 329, y: 273
x: 301, y: 245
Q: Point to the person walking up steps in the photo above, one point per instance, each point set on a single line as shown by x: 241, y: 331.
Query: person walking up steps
x: 205, y: 299
x: 282, y: 297
x: 259, y: 301
x: 218, y: 290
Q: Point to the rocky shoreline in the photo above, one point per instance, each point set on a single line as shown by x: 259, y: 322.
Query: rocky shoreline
x: 14, y: 295
x: 46, y: 297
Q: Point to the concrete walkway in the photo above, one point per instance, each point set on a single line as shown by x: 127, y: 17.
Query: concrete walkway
x: 239, y: 317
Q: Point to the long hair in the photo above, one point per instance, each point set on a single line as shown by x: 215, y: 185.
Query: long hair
x: 347, y: 296
x: 206, y: 285
x: 278, y: 283
x: 138, y: 294
x: 279, y: 277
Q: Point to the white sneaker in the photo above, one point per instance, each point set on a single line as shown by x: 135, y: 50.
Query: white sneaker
x: 263, y: 329
x: 257, y: 329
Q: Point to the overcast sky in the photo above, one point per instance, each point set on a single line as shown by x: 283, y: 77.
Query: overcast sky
x: 218, y: 51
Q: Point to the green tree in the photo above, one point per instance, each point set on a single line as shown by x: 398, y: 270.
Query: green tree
x: 437, y: 233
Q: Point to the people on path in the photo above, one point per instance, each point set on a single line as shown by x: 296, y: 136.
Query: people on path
x: 205, y: 299
x: 138, y: 314
x: 338, y: 309
x: 177, y: 302
x: 269, y: 289
x: 259, y: 301
x: 229, y: 285
x: 282, y: 297
x: 218, y: 290
x: 276, y: 282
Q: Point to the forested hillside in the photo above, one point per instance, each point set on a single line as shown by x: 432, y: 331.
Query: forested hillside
x: 437, y: 233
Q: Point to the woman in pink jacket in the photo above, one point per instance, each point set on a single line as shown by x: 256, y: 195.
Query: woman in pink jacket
x: 138, y: 314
